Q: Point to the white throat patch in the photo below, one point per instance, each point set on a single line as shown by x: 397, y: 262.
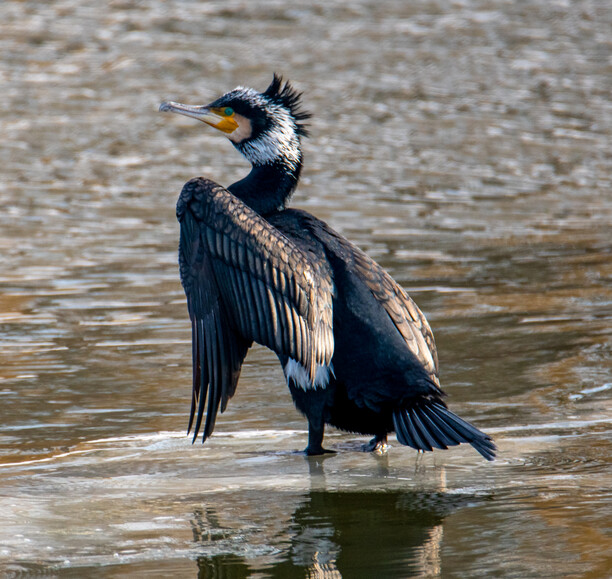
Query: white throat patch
x: 243, y: 131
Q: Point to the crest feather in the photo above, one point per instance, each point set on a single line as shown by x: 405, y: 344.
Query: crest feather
x: 288, y: 97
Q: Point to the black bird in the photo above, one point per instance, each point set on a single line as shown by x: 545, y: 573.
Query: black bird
x: 356, y: 350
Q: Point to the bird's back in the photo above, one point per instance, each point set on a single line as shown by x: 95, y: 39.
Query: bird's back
x: 384, y: 348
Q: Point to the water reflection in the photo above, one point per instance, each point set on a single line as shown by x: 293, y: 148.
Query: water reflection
x: 241, y: 508
x: 331, y: 535
x: 366, y: 534
x: 222, y: 567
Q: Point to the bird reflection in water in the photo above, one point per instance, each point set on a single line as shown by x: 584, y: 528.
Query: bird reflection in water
x: 329, y: 534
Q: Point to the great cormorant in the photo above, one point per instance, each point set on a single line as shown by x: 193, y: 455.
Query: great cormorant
x: 356, y: 351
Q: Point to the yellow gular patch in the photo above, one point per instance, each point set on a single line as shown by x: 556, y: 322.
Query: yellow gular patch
x: 222, y: 121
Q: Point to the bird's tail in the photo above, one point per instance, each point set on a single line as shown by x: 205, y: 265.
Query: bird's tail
x: 430, y: 425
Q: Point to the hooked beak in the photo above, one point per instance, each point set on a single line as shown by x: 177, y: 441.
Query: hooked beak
x: 202, y: 113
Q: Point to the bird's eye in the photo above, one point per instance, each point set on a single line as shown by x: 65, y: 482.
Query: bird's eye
x: 228, y: 111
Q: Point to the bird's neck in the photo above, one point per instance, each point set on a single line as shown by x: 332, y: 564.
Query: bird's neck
x: 268, y: 188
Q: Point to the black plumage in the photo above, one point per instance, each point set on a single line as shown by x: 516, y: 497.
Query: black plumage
x: 357, y: 352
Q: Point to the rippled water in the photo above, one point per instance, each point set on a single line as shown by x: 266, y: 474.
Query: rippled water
x: 464, y: 145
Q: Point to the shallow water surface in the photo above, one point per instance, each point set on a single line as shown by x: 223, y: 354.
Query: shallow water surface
x: 465, y: 146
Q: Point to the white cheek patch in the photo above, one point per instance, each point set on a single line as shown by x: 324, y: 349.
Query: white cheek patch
x: 296, y: 372
x: 243, y: 131
x: 279, y: 142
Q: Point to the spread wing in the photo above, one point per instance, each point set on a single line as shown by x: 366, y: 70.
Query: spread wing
x: 404, y: 313
x: 245, y: 282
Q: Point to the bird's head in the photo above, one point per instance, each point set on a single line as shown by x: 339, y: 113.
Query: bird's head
x: 265, y: 127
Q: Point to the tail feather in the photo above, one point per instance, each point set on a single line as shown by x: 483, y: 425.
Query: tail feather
x: 426, y: 433
x: 481, y: 442
x: 419, y: 439
x: 443, y: 425
x: 400, y: 420
x: 445, y: 438
x: 432, y: 425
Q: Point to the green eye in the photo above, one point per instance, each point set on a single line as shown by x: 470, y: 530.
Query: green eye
x: 228, y: 111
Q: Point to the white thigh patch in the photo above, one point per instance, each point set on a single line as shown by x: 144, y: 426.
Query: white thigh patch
x: 295, y: 371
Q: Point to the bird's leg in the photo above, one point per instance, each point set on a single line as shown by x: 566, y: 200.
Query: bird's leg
x: 316, y: 430
x: 378, y: 444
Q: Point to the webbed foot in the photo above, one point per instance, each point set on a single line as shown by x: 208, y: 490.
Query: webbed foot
x: 378, y: 445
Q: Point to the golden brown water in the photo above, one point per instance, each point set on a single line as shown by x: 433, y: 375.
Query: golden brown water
x: 464, y: 145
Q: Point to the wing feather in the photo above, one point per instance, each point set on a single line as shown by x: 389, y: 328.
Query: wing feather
x: 245, y: 281
x: 403, y: 312
x: 284, y: 322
